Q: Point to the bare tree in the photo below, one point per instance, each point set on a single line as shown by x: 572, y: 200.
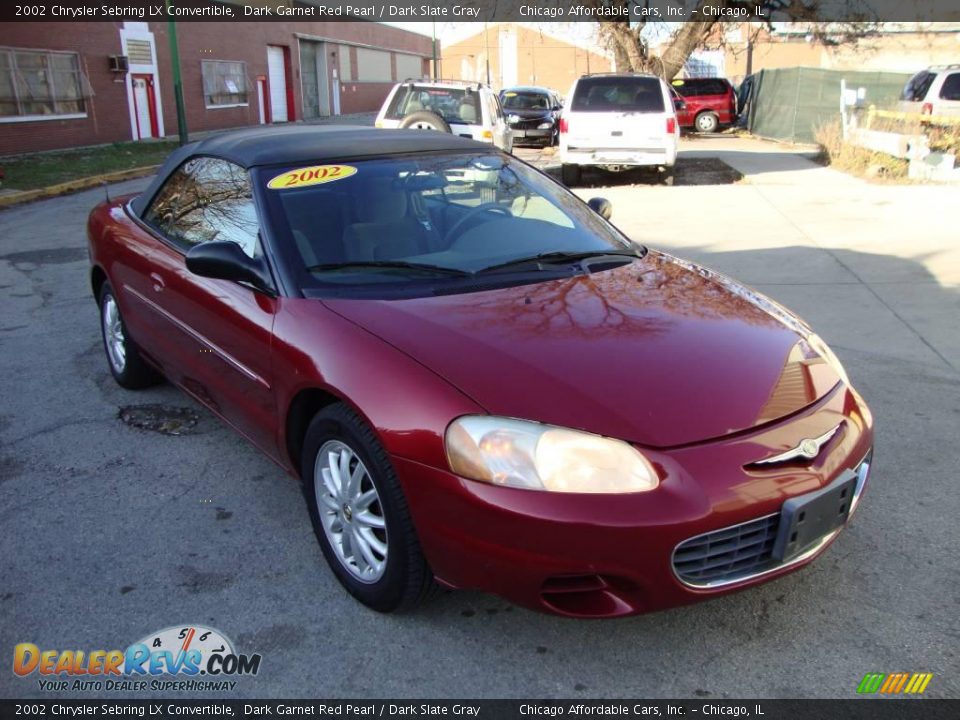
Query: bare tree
x: 628, y: 42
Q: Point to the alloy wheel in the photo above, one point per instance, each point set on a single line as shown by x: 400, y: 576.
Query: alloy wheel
x: 350, y: 511
x: 113, y: 334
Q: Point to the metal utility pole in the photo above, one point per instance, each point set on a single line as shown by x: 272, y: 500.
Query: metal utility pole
x: 436, y: 73
x: 177, y: 81
x: 486, y: 43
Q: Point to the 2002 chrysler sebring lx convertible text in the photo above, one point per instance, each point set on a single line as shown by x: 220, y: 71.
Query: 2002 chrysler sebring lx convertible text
x: 481, y: 382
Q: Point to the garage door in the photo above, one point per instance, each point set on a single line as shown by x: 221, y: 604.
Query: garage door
x: 409, y: 66
x: 277, y: 72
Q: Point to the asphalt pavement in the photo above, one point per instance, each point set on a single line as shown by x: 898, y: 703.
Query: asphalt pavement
x: 109, y: 532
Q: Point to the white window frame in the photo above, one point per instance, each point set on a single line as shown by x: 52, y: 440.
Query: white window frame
x: 246, y: 84
x: 50, y: 81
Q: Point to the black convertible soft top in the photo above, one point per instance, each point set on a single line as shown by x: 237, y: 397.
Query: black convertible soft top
x: 293, y: 144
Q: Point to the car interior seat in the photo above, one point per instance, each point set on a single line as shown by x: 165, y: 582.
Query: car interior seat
x: 468, y: 110
x: 316, y: 219
x: 413, y: 105
x: 385, y: 229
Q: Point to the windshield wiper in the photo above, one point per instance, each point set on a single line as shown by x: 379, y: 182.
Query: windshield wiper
x: 558, y: 257
x: 401, y: 264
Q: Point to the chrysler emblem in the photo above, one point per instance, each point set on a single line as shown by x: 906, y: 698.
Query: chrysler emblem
x: 808, y: 448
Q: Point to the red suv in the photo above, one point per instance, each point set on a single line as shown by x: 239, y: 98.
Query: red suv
x: 710, y: 103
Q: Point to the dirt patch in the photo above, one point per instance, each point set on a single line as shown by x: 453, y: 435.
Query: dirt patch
x: 687, y: 171
x: 704, y: 171
x: 163, y: 419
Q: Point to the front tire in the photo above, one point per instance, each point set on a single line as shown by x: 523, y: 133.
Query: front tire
x: 123, y: 357
x: 360, y: 514
x: 570, y: 174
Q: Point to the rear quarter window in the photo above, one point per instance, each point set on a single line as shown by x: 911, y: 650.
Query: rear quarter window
x: 618, y: 94
x: 918, y: 86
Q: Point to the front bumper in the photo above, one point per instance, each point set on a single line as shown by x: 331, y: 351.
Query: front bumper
x: 532, y: 134
x: 612, y: 555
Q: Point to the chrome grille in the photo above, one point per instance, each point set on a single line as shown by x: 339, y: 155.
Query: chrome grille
x: 727, y: 554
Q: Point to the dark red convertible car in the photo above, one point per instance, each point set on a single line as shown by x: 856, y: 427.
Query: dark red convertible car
x: 480, y: 381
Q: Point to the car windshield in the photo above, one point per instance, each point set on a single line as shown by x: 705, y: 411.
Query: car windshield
x: 455, y: 105
x: 520, y: 100
x: 447, y: 218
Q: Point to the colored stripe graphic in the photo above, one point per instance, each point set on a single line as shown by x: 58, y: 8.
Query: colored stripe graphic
x: 894, y: 683
x: 918, y: 683
x: 870, y: 683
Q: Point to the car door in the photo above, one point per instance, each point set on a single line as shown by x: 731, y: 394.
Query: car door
x: 218, y: 333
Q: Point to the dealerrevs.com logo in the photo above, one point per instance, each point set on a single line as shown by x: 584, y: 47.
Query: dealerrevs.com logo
x: 200, y: 658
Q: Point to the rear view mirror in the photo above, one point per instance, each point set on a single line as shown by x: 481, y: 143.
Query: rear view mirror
x: 601, y: 206
x: 679, y: 104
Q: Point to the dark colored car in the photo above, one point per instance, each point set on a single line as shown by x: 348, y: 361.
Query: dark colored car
x: 480, y: 381
x: 533, y: 114
x: 710, y: 103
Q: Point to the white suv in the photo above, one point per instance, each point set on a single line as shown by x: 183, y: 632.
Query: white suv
x: 934, y: 91
x: 463, y: 108
x: 618, y: 121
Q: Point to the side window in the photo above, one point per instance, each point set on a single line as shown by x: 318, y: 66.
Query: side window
x: 951, y: 87
x: 206, y: 199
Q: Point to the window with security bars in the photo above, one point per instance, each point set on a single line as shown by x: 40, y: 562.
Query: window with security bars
x: 224, y: 83
x: 40, y: 83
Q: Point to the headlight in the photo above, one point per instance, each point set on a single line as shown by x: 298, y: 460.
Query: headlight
x: 823, y: 350
x: 522, y: 454
x: 544, y: 126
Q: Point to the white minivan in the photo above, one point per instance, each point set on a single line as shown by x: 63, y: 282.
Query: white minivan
x: 934, y: 91
x: 618, y: 121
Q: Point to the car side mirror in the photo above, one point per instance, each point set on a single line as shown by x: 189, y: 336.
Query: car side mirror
x: 601, y: 206
x: 679, y: 104
x: 225, y: 260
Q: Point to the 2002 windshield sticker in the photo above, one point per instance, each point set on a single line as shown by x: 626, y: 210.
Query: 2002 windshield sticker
x: 315, y: 175
x: 178, y: 652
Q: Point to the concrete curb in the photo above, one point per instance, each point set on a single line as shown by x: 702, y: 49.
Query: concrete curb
x: 72, y: 186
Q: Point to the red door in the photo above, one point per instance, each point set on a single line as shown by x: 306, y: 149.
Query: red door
x: 145, y: 106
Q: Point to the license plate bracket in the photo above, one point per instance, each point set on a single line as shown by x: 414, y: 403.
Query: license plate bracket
x: 806, y: 519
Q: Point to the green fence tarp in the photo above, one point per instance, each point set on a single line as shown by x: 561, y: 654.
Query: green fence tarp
x: 791, y: 103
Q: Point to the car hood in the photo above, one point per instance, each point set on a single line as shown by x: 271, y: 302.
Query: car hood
x: 658, y: 352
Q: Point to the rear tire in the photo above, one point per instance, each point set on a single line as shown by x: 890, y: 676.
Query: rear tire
x: 666, y: 176
x: 425, y: 120
x: 707, y: 122
x: 123, y: 357
x: 359, y: 513
x: 570, y: 174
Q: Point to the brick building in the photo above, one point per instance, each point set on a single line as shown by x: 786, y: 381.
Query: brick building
x: 72, y: 84
x: 518, y: 54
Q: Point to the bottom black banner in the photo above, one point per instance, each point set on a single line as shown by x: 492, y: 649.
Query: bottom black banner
x: 865, y: 709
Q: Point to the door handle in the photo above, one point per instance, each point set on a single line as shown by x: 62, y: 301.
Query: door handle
x: 158, y: 283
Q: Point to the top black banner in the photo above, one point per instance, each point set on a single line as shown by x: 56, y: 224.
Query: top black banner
x: 636, y: 11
